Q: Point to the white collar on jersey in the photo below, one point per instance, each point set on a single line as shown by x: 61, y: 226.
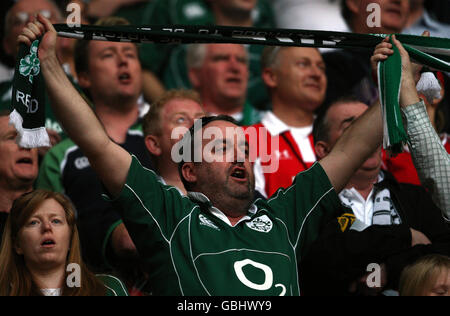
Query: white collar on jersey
x: 276, y: 127
x: 200, y: 197
x: 273, y: 124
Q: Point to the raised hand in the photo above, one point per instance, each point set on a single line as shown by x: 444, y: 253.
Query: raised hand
x: 408, y: 91
x: 40, y: 27
x: 381, y: 53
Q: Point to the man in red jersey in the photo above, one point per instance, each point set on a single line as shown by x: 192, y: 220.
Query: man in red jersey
x: 296, y: 80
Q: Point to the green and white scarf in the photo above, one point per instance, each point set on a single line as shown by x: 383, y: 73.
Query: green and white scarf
x: 28, y: 99
x: 429, y: 51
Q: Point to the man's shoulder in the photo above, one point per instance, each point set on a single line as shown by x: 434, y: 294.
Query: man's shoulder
x: 61, y: 149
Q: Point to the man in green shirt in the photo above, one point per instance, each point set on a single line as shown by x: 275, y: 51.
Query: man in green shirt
x: 216, y: 241
x: 220, y: 74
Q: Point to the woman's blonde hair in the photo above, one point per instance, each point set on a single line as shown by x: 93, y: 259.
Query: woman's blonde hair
x: 15, y: 278
x: 419, y: 278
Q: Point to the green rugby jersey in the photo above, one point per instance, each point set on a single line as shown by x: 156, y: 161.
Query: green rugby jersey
x: 114, y: 286
x: 189, y: 247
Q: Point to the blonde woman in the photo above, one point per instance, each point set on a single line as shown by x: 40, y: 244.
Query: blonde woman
x: 40, y: 253
x: 429, y: 276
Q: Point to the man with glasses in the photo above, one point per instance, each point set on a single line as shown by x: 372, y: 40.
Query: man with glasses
x: 22, y: 12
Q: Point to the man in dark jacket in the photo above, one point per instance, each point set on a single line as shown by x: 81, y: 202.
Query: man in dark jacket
x: 389, y: 223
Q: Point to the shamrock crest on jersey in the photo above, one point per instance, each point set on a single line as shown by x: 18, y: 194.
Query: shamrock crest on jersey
x: 261, y: 224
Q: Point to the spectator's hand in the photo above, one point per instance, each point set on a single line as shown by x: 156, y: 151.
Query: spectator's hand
x: 381, y: 53
x: 41, y: 26
x: 408, y: 91
x: 418, y: 238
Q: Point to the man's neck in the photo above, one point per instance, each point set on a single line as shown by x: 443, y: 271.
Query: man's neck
x: 235, y: 18
x: 7, y: 197
x: 117, y: 120
x: 171, y: 176
x: 364, y: 185
x: 226, y: 107
x: 293, y: 116
x: 234, y: 209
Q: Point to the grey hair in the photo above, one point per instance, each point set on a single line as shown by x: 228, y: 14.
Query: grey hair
x: 196, y: 54
x: 269, y: 57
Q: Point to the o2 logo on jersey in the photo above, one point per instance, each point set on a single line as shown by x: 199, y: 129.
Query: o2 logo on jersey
x: 268, y: 276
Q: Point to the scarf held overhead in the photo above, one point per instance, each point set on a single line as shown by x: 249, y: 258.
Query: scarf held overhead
x: 28, y: 99
x: 429, y: 51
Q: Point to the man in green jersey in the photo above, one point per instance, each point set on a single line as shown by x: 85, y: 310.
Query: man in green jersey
x: 220, y: 74
x: 216, y: 241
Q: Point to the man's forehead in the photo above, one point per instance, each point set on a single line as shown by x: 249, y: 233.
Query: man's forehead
x: 307, y: 52
x: 217, y: 49
x: 180, y: 105
x: 99, y: 46
x: 4, y: 125
x: 343, y: 111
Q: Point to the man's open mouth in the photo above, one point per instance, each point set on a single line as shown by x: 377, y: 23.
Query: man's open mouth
x: 239, y: 173
x: 26, y: 161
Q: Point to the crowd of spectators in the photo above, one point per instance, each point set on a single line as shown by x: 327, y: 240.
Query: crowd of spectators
x: 336, y: 203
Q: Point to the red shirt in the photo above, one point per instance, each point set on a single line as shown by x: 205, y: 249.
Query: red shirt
x: 402, y: 166
x: 292, y: 152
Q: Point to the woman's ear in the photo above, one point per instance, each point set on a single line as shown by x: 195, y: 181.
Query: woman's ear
x: 153, y: 145
x: 17, y: 249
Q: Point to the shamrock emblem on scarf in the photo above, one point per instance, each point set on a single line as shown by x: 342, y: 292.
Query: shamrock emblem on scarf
x: 30, y: 65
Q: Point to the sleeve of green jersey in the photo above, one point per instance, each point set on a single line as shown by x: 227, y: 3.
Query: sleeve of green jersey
x: 50, y: 177
x: 306, y: 206
x: 150, y: 210
x: 114, y: 286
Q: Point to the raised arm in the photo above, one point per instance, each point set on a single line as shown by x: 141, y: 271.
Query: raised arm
x: 110, y: 161
x: 364, y: 136
x: 429, y: 156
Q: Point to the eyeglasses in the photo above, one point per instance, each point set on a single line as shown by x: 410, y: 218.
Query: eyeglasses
x: 22, y: 17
